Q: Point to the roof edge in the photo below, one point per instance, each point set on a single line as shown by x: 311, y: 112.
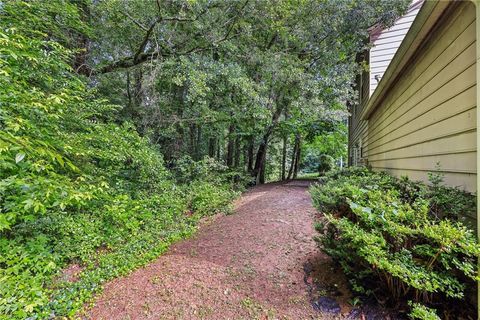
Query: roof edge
x: 375, y: 30
x: 419, y: 30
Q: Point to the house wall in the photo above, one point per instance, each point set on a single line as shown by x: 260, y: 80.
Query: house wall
x: 385, y: 44
x: 357, y: 127
x: 357, y: 134
x: 428, y: 115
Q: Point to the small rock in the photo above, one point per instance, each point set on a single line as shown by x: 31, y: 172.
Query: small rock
x: 328, y: 305
x: 354, y: 314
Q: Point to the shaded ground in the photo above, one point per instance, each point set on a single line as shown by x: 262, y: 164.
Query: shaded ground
x: 258, y: 263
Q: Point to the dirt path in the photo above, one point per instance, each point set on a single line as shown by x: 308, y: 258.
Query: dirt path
x: 258, y: 263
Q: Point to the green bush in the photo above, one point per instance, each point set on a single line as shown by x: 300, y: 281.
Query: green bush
x: 387, y: 232
x: 186, y: 170
x: 325, y: 164
x: 74, y: 186
x: 208, y: 185
x: 421, y: 312
x: 206, y: 198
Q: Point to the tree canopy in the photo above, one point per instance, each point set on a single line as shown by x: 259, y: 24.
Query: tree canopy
x: 123, y: 122
x: 228, y: 79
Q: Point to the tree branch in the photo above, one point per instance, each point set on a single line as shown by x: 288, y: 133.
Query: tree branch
x: 145, y: 39
x: 140, y: 56
x: 179, y: 19
x: 138, y: 24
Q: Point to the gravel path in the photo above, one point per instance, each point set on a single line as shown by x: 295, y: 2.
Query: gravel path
x: 258, y: 263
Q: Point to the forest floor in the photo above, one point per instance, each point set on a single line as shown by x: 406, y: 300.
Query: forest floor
x: 260, y: 262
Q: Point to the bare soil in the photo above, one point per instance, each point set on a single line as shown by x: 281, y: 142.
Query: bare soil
x: 260, y: 262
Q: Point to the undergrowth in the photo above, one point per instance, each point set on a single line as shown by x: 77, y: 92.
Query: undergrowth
x: 400, y: 240
x: 76, y: 187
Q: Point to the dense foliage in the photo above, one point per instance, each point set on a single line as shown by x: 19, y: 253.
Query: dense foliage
x: 123, y: 122
x: 400, y: 237
x: 73, y: 183
x: 250, y: 83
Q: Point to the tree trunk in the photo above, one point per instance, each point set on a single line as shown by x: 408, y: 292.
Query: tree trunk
x: 137, y: 92
x: 250, y: 155
x: 129, y: 109
x: 297, y: 159
x: 82, y: 42
x: 198, y: 144
x: 259, y: 169
x: 218, y: 150
x: 284, y: 149
x: 192, y: 133
x: 230, y: 145
x: 294, y: 157
x: 284, y: 157
x: 179, y: 138
x: 237, y: 152
x: 211, y: 147
x: 178, y: 144
x: 261, y: 179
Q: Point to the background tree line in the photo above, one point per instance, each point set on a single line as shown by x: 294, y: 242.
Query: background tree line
x: 249, y: 83
x: 109, y: 109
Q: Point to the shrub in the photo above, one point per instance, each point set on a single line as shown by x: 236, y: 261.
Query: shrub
x: 447, y: 202
x: 206, y: 198
x: 421, y: 312
x: 326, y: 163
x: 74, y: 186
x: 186, y: 170
x: 387, y: 232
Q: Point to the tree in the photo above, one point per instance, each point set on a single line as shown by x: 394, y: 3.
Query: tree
x: 217, y: 77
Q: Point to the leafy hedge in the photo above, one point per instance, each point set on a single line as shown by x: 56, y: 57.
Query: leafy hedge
x: 400, y: 237
x: 75, y: 187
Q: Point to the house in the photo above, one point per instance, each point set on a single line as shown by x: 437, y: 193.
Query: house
x: 417, y: 108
